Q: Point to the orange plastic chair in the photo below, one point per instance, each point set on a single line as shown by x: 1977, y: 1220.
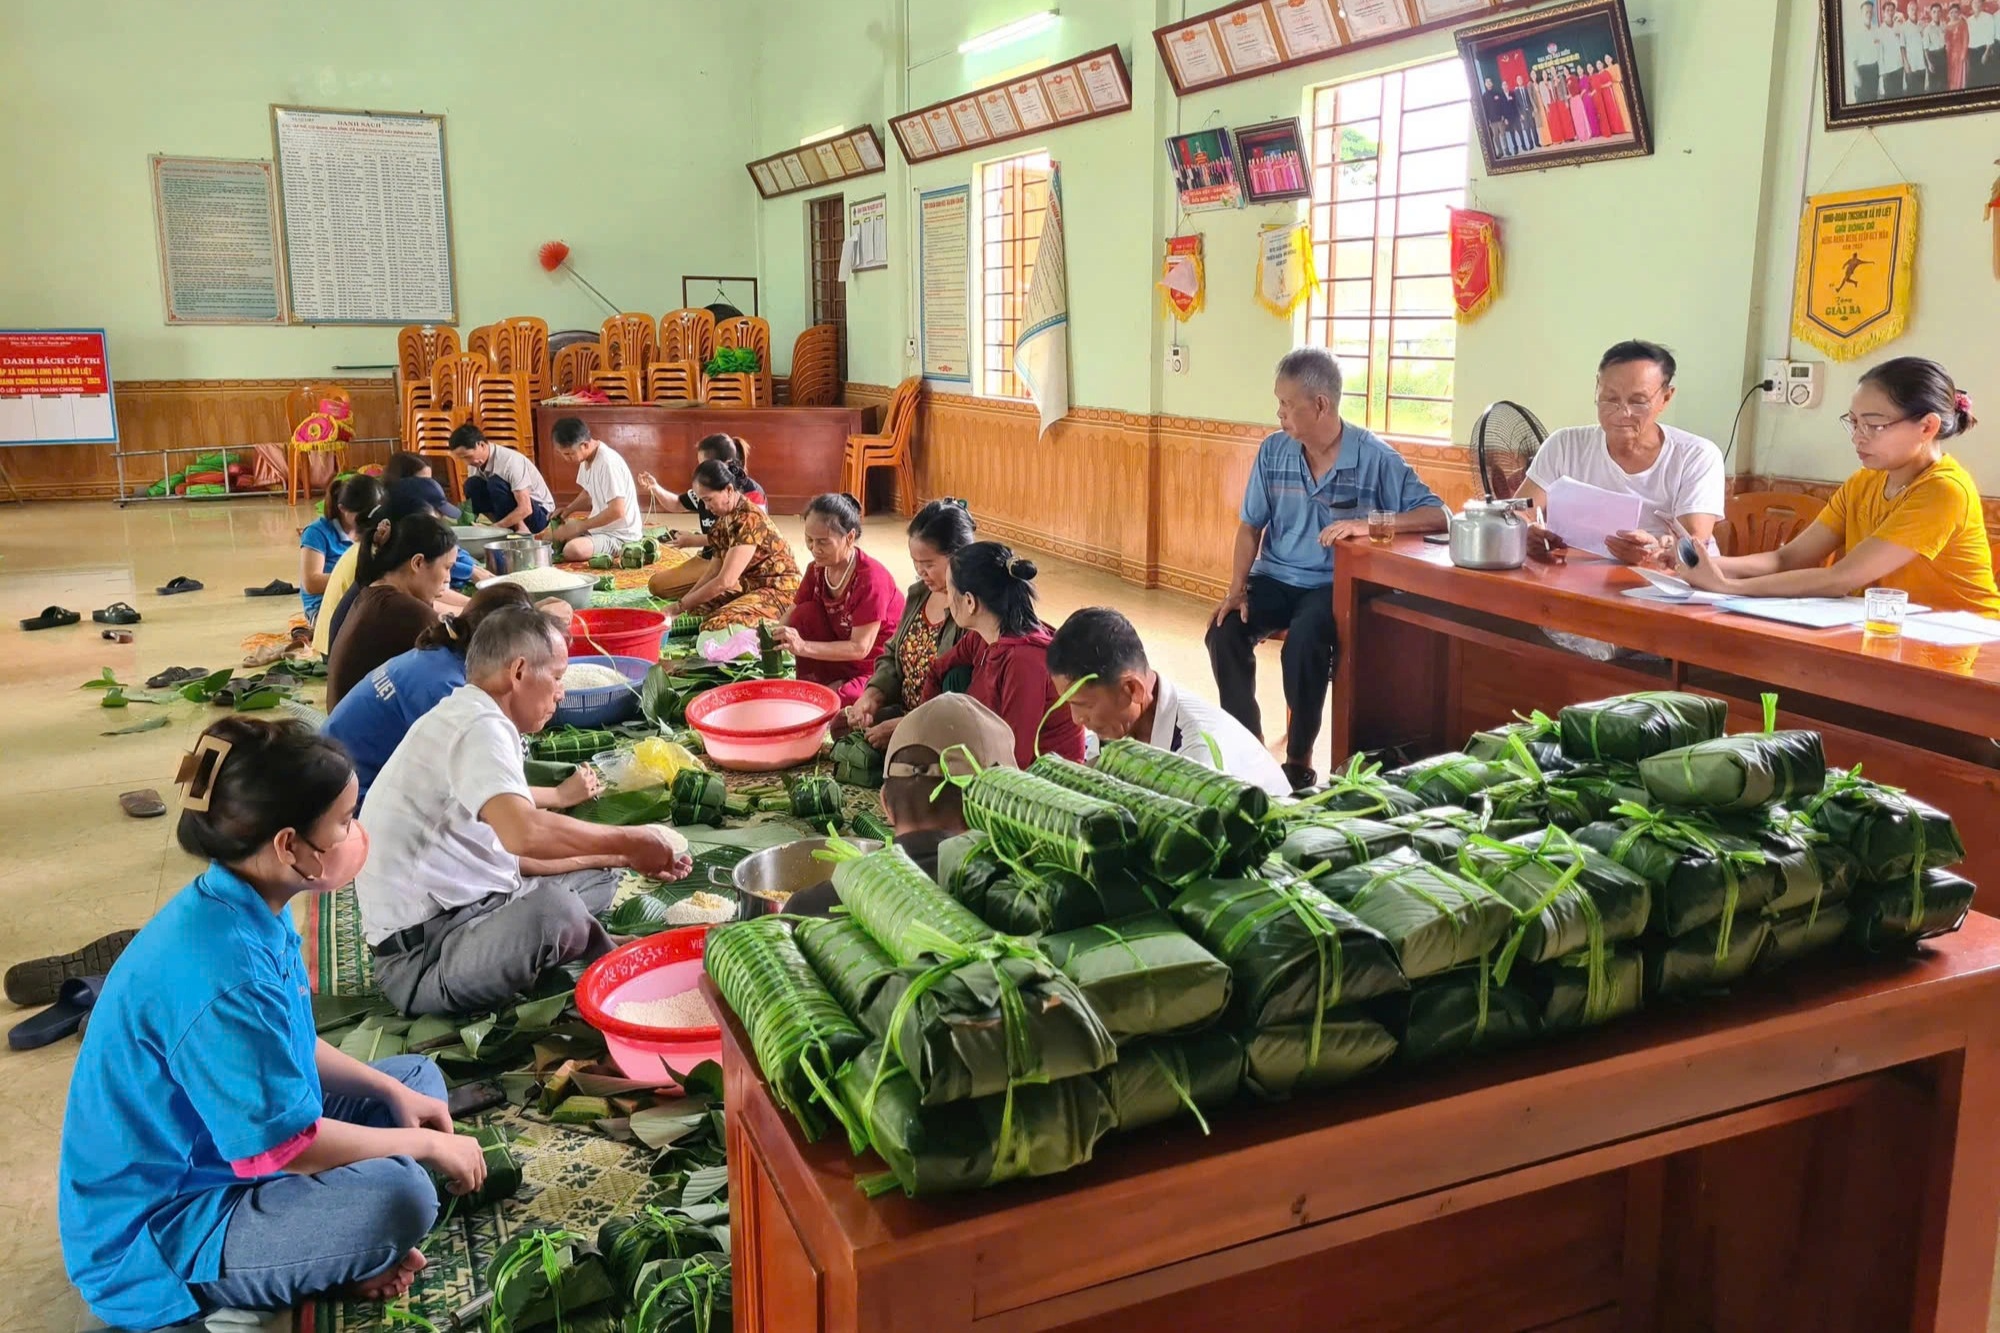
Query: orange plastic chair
x: 890, y: 449
x: 301, y: 403
x: 755, y: 334
x: 815, y: 378
x: 503, y: 407
x: 1759, y: 521
x: 737, y: 390
x: 630, y: 343
x: 673, y: 382
x: 521, y: 347
x: 687, y: 335
x: 454, y: 390
x: 418, y: 346
x: 575, y: 364
x: 480, y: 340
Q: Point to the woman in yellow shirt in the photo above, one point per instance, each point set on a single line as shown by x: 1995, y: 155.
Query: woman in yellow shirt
x: 1910, y: 518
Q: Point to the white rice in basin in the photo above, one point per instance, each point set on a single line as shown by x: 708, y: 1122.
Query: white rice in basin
x: 685, y: 1010
x: 539, y: 581
x: 592, y: 676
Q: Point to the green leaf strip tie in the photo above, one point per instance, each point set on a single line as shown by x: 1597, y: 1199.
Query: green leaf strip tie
x: 1684, y: 836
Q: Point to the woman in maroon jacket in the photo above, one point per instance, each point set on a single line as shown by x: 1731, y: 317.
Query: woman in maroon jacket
x: 1007, y: 647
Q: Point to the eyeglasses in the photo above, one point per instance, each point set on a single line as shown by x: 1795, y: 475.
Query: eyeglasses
x: 1626, y: 407
x: 1867, y: 430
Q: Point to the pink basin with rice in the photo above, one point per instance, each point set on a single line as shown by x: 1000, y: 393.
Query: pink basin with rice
x: 757, y: 726
x: 649, y: 969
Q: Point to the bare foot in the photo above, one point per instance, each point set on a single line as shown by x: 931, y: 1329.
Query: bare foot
x: 393, y: 1282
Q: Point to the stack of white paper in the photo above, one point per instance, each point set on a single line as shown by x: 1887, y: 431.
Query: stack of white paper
x: 1584, y: 515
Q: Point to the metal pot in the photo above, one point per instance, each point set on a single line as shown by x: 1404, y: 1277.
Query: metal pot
x: 765, y: 881
x: 1490, y: 534
x: 514, y: 554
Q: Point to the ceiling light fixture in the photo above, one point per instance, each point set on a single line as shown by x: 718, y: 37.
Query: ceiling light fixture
x: 1009, y: 33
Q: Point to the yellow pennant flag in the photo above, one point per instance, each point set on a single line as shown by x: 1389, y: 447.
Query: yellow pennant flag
x: 1285, y: 273
x: 1857, y: 261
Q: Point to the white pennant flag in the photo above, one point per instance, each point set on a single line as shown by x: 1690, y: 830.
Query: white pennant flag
x: 1041, y: 352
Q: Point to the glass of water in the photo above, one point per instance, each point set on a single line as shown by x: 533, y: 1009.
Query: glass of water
x: 1883, y: 610
x: 1381, y: 526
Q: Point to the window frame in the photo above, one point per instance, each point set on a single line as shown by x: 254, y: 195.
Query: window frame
x: 1005, y: 216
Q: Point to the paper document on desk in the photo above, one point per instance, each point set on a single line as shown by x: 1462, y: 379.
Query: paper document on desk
x: 1811, y: 612
x: 1952, y: 629
x: 1584, y: 515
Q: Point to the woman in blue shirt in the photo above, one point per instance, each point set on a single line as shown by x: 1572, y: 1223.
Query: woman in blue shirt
x: 216, y: 1154
x: 327, y: 538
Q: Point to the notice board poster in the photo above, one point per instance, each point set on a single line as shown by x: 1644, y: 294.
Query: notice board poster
x: 217, y: 221
x: 366, y: 216
x: 55, y: 387
x: 945, y: 306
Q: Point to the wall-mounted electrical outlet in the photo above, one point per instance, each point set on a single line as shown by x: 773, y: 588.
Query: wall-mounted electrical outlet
x: 1774, y: 374
x: 1177, y: 360
x: 910, y: 347
x: 1804, y: 382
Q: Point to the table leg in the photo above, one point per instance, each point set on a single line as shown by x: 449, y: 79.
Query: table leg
x: 1962, y: 1205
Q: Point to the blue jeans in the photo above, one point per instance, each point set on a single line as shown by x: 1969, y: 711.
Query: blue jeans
x: 297, y: 1236
x: 489, y: 497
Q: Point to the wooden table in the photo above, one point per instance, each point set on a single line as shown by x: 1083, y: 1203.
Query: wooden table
x: 796, y: 452
x: 1816, y: 1152
x: 1431, y: 653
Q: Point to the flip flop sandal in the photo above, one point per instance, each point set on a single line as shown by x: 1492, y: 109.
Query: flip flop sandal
x: 142, y: 804
x: 118, y: 613
x: 275, y: 588
x: 173, y: 676
x: 63, y: 1018
x: 38, y: 980
x: 179, y: 583
x: 118, y: 636
x: 52, y: 617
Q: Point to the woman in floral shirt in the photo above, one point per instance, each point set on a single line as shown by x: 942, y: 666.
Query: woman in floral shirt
x: 926, y: 632
x: 752, y: 576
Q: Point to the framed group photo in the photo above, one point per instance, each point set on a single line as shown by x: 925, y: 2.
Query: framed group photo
x: 1909, y: 59
x: 1275, y: 167
x: 1556, y: 88
x: 1204, y: 167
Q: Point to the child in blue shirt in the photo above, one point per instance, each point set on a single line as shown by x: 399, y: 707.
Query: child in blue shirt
x: 216, y: 1154
x: 327, y: 538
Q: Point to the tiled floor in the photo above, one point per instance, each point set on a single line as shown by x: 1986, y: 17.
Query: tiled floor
x: 72, y: 866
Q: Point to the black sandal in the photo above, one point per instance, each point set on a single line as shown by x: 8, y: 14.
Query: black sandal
x: 173, y: 676
x: 52, y: 617
x: 177, y: 584
x: 118, y: 613
x: 65, y: 1017
x: 39, y: 980
x: 275, y: 588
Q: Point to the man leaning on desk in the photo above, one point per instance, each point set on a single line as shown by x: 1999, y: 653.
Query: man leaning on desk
x: 1678, y: 474
x: 1312, y: 486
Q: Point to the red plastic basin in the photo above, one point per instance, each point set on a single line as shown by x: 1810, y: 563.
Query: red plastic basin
x: 617, y: 631
x: 762, y: 725
x: 649, y: 969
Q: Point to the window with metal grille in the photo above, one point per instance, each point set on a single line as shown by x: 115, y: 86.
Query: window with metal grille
x: 825, y: 235
x: 1014, y: 197
x: 1392, y: 154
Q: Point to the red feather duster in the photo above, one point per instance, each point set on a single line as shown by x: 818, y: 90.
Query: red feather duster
x: 553, y: 253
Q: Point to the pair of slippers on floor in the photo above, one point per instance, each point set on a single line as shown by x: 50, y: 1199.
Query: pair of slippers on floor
x: 180, y: 583
x: 122, y: 613
x: 68, y: 984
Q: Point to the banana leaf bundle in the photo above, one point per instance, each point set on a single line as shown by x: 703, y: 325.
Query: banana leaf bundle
x: 772, y: 659
x: 1156, y: 1080
x: 1433, y: 919
x: 1143, y: 975
x: 1810, y: 870
x: 1333, y: 843
x: 1292, y: 952
x: 1898, y: 913
x: 1438, y: 833
x: 1567, y: 898
x: 799, y: 1032
x: 639, y: 554
x: 1538, y: 801
x: 968, y: 867
x: 1707, y: 959
x: 1891, y: 833
x: 859, y: 972
x: 503, y: 1174
x: 1571, y: 998
x: 1801, y: 932
x: 815, y: 799
x: 1181, y: 840
x: 630, y: 1244
x: 1742, y: 772
x: 683, y: 1295
x: 571, y: 745
x: 1700, y: 874
x: 868, y: 824
x: 543, y: 1278
x: 856, y: 763
x: 1341, y: 1046
x: 1359, y: 789
x: 698, y: 797
x: 1242, y: 806
x: 1632, y: 727
x: 1454, y: 778
x: 1030, y: 819
x: 1602, y: 788
x: 1047, y: 898
x: 1036, y: 1129
x: 899, y: 906
x: 1465, y: 1010
x: 1540, y: 733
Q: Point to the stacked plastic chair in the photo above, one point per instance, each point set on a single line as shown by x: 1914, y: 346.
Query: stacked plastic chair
x: 890, y: 449
x: 673, y: 382
x: 755, y: 334
x: 480, y: 340
x: 454, y: 393
x: 418, y: 346
x: 815, y: 378
x: 687, y: 335
x: 521, y: 347
x: 576, y: 365
x: 504, y: 408
x: 629, y: 343
x: 737, y: 390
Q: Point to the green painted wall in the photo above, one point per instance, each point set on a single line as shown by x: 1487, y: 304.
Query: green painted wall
x: 631, y: 149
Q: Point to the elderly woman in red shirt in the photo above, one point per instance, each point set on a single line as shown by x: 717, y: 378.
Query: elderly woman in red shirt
x: 1007, y: 646
x: 847, y: 604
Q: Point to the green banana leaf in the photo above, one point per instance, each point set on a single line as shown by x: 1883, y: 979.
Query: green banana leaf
x: 1438, y: 833
x: 629, y: 1244
x: 1281, y: 1059
x: 1539, y: 732
x: 1632, y: 727
x: 1896, y: 914
x: 1801, y: 932
x: 1699, y: 874
x: 1454, y: 778
x: 625, y: 809
x: 1742, y: 772
x: 1601, y: 788
x: 1049, y: 898
x: 546, y: 772
x: 1359, y: 789
x: 1891, y: 833
x: 1433, y: 919
x: 683, y: 1295
x: 1564, y: 990
x: 1810, y: 870
x: 859, y: 972
x: 1292, y: 952
x: 543, y: 1278
x: 1048, y: 1128
x: 1705, y: 959
x: 1157, y: 1080
x: 503, y: 1174
x: 1143, y: 975
x: 1567, y: 898
x: 1333, y: 843
x: 1465, y: 1010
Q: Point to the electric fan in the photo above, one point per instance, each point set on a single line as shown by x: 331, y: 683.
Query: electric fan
x: 1505, y: 438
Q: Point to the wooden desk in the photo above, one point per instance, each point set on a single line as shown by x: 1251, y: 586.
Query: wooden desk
x: 1431, y: 653
x: 796, y: 452
x: 1815, y: 1152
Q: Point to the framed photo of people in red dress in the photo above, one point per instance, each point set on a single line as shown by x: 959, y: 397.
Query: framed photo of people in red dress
x: 1556, y: 88
x: 1890, y: 60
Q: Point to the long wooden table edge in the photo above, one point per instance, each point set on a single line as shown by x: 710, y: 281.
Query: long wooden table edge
x: 1285, y: 1181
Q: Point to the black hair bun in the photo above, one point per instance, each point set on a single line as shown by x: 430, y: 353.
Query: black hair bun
x: 1023, y: 569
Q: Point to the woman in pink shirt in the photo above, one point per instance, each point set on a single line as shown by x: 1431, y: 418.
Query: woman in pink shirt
x: 1007, y: 646
x: 836, y: 625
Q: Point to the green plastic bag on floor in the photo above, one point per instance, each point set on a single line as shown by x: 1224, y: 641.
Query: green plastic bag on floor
x: 1465, y: 1010
x: 1434, y: 919
x: 1282, y: 1059
x: 1161, y: 1078
x: 1632, y: 727
x: 1143, y: 975
x: 1893, y: 915
x: 1292, y: 952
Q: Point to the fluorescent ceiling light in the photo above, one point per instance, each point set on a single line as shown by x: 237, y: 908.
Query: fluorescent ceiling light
x: 823, y: 134
x: 1009, y: 33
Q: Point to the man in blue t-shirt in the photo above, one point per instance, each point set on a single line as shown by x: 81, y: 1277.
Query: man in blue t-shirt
x: 1313, y: 484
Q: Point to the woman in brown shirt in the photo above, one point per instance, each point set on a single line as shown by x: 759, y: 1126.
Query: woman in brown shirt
x: 751, y: 575
x: 399, y: 580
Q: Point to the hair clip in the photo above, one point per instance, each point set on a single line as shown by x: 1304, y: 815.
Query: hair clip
x: 1963, y: 402
x: 199, y: 769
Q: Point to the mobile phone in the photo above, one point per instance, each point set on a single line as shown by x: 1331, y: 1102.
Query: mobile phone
x: 1438, y: 538
x: 1689, y: 553
x: 472, y: 1098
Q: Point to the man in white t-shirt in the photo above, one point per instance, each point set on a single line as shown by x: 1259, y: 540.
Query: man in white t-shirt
x: 1120, y: 695
x: 605, y: 514
x: 1679, y: 475
x: 501, y: 486
x: 1983, y: 37
x: 472, y: 892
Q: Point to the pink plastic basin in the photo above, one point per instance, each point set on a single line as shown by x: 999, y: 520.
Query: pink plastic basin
x: 649, y: 969
x: 757, y: 726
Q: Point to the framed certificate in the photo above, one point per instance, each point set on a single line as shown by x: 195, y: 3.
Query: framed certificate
x: 1250, y: 38
x: 1249, y: 41
x: 1030, y: 104
x: 971, y: 126
x: 1065, y: 92
x: 1307, y: 27
x: 1368, y: 20
x: 999, y: 113
x: 1097, y: 83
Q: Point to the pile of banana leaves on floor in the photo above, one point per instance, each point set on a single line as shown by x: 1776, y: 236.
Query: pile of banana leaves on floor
x: 1144, y: 939
x: 697, y: 661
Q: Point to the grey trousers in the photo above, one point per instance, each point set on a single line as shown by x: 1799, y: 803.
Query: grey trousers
x: 478, y: 957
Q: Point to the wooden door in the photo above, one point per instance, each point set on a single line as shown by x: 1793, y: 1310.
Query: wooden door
x: 826, y: 233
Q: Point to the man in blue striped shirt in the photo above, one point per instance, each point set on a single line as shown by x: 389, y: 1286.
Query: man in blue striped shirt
x: 1312, y: 486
